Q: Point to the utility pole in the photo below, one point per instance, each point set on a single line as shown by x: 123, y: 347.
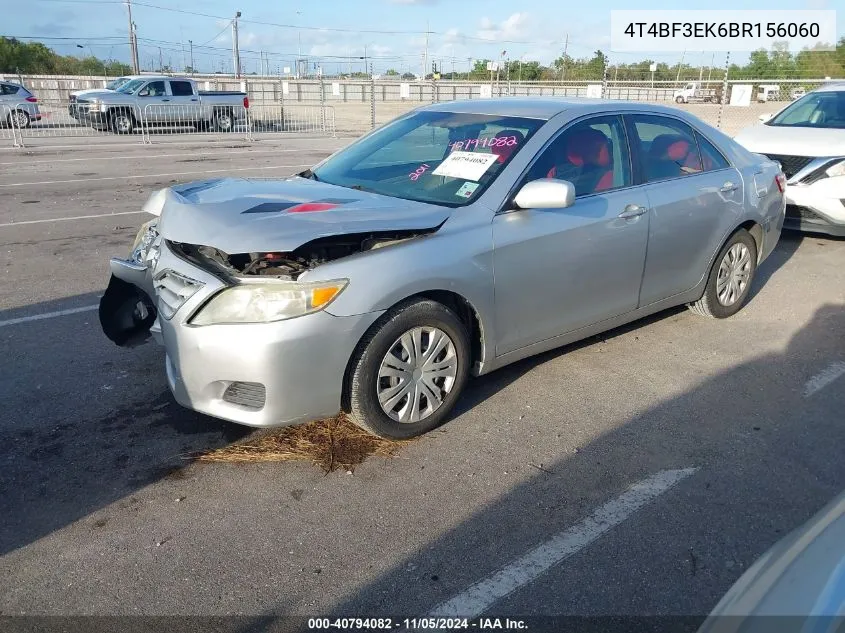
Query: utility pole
x: 236, y: 52
x: 160, y: 61
x: 680, y: 64
x: 365, y: 59
x: 563, y: 69
x: 425, y: 54
x: 191, y: 45
x: 133, y: 42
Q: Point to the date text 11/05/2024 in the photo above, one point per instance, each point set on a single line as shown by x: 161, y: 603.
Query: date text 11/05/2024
x: 416, y: 624
x: 704, y: 30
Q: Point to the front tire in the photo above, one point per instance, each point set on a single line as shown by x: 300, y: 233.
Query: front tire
x: 730, y: 278
x: 679, y: 99
x: 409, y: 370
x: 122, y: 123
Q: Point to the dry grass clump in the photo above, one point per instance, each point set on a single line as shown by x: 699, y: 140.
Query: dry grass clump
x: 332, y: 444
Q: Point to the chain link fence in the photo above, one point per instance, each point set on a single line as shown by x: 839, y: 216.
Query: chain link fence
x: 352, y: 107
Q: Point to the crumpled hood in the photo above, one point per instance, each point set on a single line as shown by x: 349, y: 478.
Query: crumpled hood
x: 792, y: 141
x: 244, y: 216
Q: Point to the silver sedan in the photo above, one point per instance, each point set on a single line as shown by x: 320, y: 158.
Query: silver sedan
x: 457, y: 239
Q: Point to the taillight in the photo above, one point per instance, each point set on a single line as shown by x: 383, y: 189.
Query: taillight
x: 780, y: 181
x: 246, y: 103
x: 32, y: 99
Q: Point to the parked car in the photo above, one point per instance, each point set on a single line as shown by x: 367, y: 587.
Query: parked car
x: 797, y: 93
x: 768, y: 92
x: 796, y: 586
x: 808, y: 139
x: 367, y: 282
x: 78, y: 112
x: 694, y: 92
x: 164, y: 101
x: 18, y: 106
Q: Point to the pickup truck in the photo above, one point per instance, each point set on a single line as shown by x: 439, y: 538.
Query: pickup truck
x: 693, y: 92
x: 164, y: 101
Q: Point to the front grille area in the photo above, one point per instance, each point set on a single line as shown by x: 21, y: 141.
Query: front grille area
x: 796, y: 212
x: 246, y: 394
x: 173, y: 290
x: 791, y: 165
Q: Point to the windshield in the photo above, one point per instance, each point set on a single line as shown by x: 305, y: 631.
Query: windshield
x: 445, y: 158
x: 816, y: 109
x: 117, y: 83
x: 132, y: 86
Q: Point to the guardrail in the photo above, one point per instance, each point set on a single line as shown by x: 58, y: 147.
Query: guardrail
x: 24, y: 121
x: 266, y: 118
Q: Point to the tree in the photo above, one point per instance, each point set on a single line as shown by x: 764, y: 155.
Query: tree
x: 36, y: 59
x: 391, y: 72
x: 408, y: 76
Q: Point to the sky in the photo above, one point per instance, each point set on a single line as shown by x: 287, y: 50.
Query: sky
x: 336, y: 34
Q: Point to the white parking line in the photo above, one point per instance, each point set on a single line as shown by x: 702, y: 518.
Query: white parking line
x: 166, y: 175
x: 47, y: 315
x: 222, y: 153
x: 76, y: 217
x: 824, y: 378
x: 481, y: 596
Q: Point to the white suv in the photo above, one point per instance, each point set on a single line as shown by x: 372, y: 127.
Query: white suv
x: 808, y: 139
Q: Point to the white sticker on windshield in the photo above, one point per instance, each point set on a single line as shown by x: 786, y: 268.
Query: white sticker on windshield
x: 466, y: 165
x: 467, y: 189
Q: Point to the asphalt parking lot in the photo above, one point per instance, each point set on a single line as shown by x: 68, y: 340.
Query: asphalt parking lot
x: 735, y: 428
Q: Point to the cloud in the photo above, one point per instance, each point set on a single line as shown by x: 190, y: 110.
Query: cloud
x: 409, y: 2
x: 514, y: 27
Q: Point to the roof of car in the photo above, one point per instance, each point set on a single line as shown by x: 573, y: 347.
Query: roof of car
x: 835, y: 86
x: 542, y: 107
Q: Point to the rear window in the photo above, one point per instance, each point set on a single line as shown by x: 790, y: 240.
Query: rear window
x: 8, y: 89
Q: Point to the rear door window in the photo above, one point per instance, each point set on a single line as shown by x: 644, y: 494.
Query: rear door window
x: 181, y: 89
x: 667, y: 147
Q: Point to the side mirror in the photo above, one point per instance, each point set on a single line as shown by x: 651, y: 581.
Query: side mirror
x: 546, y: 193
x: 765, y: 117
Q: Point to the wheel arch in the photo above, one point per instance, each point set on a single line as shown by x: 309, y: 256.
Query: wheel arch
x: 756, y: 231
x: 463, y: 309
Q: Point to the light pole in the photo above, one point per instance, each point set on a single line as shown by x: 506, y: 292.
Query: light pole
x: 94, y: 57
x: 236, y: 53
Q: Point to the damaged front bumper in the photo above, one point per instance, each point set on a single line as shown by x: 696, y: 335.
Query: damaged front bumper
x: 256, y: 374
x: 128, y: 313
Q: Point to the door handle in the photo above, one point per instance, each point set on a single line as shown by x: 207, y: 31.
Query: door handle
x: 165, y: 99
x: 632, y: 211
x: 728, y: 186
x: 195, y: 99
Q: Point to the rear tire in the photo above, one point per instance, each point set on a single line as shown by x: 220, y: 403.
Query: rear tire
x: 433, y: 379
x: 19, y: 119
x: 730, y: 278
x: 223, y: 121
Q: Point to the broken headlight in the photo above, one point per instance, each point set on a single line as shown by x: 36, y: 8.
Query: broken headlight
x: 147, y: 246
x: 264, y: 302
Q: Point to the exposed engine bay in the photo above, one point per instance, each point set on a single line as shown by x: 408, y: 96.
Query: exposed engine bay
x: 290, y: 265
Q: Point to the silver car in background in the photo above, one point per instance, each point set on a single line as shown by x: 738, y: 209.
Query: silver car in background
x: 457, y: 239
x: 18, y: 106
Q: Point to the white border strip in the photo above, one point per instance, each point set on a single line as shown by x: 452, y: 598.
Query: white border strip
x: 48, y: 315
x: 480, y: 596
